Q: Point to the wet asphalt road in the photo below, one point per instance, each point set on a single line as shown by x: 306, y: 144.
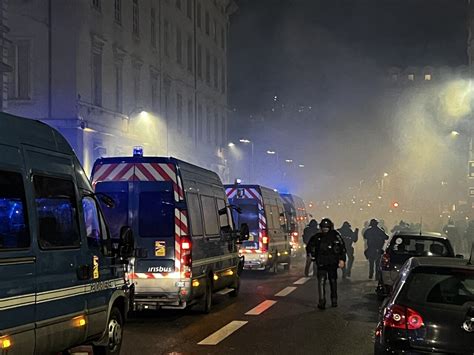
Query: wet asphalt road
x: 291, y: 325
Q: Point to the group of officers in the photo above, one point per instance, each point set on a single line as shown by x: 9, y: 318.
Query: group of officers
x: 330, y: 249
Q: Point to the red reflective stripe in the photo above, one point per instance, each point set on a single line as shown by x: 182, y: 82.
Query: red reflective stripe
x: 125, y: 170
x: 252, y: 194
x: 230, y: 191
x: 106, y: 172
x: 145, y: 172
x: 160, y: 171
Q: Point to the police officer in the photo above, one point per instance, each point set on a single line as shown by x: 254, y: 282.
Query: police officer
x: 329, y: 253
x: 311, y: 230
x: 349, y: 237
x: 375, y: 238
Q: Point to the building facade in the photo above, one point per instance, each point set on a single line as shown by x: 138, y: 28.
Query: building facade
x: 112, y: 74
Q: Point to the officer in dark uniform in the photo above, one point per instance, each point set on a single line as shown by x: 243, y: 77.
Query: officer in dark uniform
x: 349, y: 237
x: 329, y: 253
x: 375, y: 238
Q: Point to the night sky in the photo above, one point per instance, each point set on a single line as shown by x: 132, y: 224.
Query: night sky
x: 303, y: 48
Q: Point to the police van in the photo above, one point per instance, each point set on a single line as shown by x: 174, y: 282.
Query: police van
x: 61, y: 282
x: 295, y: 212
x: 186, y: 245
x: 262, y: 210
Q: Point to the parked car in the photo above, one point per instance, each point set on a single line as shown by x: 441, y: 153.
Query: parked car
x: 404, y: 245
x: 431, y: 310
x: 61, y: 282
x: 186, y: 243
x: 261, y: 208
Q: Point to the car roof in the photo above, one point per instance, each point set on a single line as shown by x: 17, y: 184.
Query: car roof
x: 418, y: 234
x: 434, y: 261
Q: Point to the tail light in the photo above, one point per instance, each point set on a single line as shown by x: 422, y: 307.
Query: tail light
x: 401, y: 317
x: 264, y: 238
x: 385, y: 261
x: 186, y: 256
x: 295, y: 234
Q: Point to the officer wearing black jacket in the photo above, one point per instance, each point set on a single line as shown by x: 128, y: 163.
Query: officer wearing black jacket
x: 329, y: 254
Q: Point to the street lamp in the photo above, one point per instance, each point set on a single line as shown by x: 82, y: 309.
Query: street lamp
x: 230, y: 145
x: 271, y: 152
x: 289, y: 161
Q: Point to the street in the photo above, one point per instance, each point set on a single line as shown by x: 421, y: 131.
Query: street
x: 291, y: 325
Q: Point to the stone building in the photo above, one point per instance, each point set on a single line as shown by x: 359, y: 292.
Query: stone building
x: 111, y: 74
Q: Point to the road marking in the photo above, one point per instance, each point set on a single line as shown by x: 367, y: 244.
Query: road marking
x: 262, y: 307
x: 285, y: 292
x: 224, y: 332
x: 302, y: 281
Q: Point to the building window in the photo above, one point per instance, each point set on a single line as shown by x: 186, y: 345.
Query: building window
x: 154, y: 92
x: 19, y: 60
x: 136, y: 84
x: 199, y: 14
x: 166, y: 38
x: 199, y: 123
x: 209, y: 124
x: 207, y: 23
x: 216, y: 127
x: 189, y: 8
x: 208, y: 67
x: 179, y: 112
x: 190, y: 118
x: 97, y: 78
x: 216, y: 73
x: 179, y: 46
x: 223, y: 39
x: 427, y: 77
x: 223, y: 83
x: 118, y: 88
x: 189, y: 50
x: 118, y: 11
x: 178, y: 4
x: 96, y: 4
x: 199, y: 61
x: 411, y: 77
x: 153, y: 27
x: 136, y: 18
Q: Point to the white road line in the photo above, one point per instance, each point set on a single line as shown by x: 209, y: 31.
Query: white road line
x: 224, y: 332
x: 262, y: 307
x: 285, y: 292
x: 302, y: 281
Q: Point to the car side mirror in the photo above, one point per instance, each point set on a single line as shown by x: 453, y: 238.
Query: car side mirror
x: 244, y: 233
x: 126, y: 243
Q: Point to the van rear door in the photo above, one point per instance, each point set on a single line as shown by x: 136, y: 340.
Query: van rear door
x: 155, y: 226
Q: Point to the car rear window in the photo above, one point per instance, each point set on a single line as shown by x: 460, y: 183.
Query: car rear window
x: 447, y: 286
x: 420, y: 246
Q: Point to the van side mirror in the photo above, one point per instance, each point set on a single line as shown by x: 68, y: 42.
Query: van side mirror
x: 126, y: 243
x: 244, y: 233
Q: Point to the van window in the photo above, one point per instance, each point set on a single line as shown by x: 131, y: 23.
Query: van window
x: 275, y: 217
x: 223, y: 217
x: 210, y: 215
x: 117, y: 216
x: 91, y: 220
x: 195, y: 214
x: 14, y: 231
x: 57, y: 213
x: 156, y: 214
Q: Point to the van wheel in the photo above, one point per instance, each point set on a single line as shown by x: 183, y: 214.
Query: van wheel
x: 236, y: 290
x: 205, y: 304
x: 114, y: 331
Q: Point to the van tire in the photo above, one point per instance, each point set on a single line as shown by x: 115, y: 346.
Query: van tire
x: 236, y: 286
x: 205, y: 304
x: 115, y: 334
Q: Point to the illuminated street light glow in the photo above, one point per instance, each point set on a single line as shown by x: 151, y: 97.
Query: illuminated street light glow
x: 271, y: 152
x: 455, y: 133
x: 301, y: 166
x: 244, y: 141
x: 230, y: 145
x: 385, y: 174
x: 289, y: 161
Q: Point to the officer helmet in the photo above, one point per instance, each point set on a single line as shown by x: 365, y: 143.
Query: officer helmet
x: 374, y: 222
x: 326, y: 223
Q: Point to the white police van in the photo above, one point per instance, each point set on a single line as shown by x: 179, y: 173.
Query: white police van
x: 61, y: 284
x: 186, y: 244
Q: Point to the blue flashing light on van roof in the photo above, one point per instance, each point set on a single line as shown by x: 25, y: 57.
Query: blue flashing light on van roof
x: 138, y: 151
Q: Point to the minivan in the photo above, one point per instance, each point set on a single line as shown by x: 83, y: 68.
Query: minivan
x: 185, y: 240
x: 62, y: 282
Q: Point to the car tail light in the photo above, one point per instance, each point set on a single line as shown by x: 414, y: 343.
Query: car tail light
x: 401, y: 317
x: 264, y: 238
x: 186, y: 256
x: 385, y: 261
x: 295, y: 234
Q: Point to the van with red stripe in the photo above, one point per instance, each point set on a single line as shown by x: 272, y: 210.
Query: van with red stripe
x: 296, y: 217
x: 185, y: 241
x: 262, y: 210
